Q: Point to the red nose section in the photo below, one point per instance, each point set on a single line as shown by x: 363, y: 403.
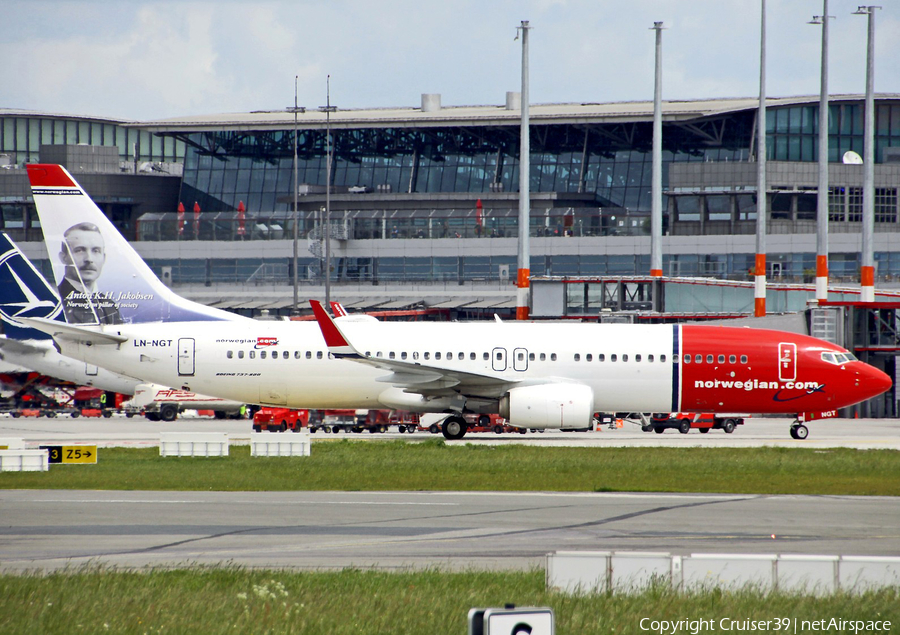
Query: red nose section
x: 874, y: 382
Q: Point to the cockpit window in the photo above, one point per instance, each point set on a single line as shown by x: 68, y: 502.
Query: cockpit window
x: 838, y: 358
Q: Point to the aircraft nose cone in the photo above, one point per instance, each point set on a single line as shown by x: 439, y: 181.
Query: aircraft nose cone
x: 874, y: 382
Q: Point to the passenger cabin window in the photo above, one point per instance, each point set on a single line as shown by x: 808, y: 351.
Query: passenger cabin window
x: 427, y: 355
x: 637, y: 358
x: 662, y: 358
x: 613, y: 358
x: 698, y: 359
x: 437, y: 355
x: 588, y: 357
x: 732, y: 359
x: 262, y: 354
x: 240, y: 354
x: 318, y: 354
x: 709, y: 359
x: 721, y: 359
x: 650, y: 358
x: 577, y: 357
x: 743, y: 359
x: 552, y: 357
x: 252, y: 354
x: 472, y: 356
x: 625, y: 357
x: 543, y: 357
x: 229, y: 354
x: 308, y: 355
x: 486, y: 356
x: 687, y: 359
x: 601, y: 357
x: 286, y: 355
x: 297, y: 355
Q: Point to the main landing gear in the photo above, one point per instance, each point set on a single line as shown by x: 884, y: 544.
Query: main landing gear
x: 799, y: 431
x: 454, y: 427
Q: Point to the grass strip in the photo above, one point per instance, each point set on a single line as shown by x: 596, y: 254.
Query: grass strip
x: 236, y: 600
x: 434, y: 465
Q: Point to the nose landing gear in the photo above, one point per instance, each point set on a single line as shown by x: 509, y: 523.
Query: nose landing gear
x: 799, y: 431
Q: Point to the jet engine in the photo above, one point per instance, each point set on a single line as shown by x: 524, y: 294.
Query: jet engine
x: 568, y: 406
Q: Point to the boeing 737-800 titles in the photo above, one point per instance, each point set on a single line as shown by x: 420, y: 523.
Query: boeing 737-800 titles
x: 538, y: 375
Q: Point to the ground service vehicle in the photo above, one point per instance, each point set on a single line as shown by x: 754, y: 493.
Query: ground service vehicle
x: 280, y: 420
x: 684, y: 421
x: 160, y: 403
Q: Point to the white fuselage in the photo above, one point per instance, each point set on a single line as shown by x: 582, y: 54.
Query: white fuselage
x: 287, y: 363
x: 42, y: 357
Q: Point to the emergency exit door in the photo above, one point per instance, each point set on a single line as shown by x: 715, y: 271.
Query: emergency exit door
x: 186, y: 356
x: 787, y: 361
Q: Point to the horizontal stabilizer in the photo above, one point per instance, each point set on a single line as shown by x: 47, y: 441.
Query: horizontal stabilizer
x: 72, y: 333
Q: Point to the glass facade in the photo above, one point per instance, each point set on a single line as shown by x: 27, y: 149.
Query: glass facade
x: 610, y: 161
x: 21, y: 138
x: 792, y: 131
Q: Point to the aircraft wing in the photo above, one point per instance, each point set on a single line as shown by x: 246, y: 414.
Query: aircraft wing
x: 70, y: 332
x: 21, y: 347
x: 413, y: 377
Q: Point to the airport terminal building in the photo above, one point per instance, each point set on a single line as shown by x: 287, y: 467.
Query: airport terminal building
x: 423, y: 207
x: 427, y: 197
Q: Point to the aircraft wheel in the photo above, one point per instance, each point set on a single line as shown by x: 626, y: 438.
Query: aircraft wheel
x: 454, y: 428
x: 799, y: 431
x: 705, y: 430
x: 728, y: 426
x: 684, y: 427
x: 646, y: 428
x: 659, y: 430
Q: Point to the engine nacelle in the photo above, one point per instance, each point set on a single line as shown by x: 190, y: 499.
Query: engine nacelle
x: 549, y: 406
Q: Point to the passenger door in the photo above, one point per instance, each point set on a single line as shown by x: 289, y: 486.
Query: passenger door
x: 186, y: 356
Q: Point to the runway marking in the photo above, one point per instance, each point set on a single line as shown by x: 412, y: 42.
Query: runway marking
x: 239, y: 502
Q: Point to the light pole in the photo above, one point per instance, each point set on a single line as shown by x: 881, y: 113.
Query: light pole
x: 524, y: 271
x: 867, y: 269
x: 327, y: 109
x: 656, y: 178
x: 822, y: 203
x: 295, y: 309
x: 759, y: 293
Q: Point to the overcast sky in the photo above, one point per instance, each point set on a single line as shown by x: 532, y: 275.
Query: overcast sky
x: 136, y: 59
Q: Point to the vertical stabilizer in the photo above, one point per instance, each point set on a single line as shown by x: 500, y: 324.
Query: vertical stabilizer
x: 99, y: 277
x: 24, y: 293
